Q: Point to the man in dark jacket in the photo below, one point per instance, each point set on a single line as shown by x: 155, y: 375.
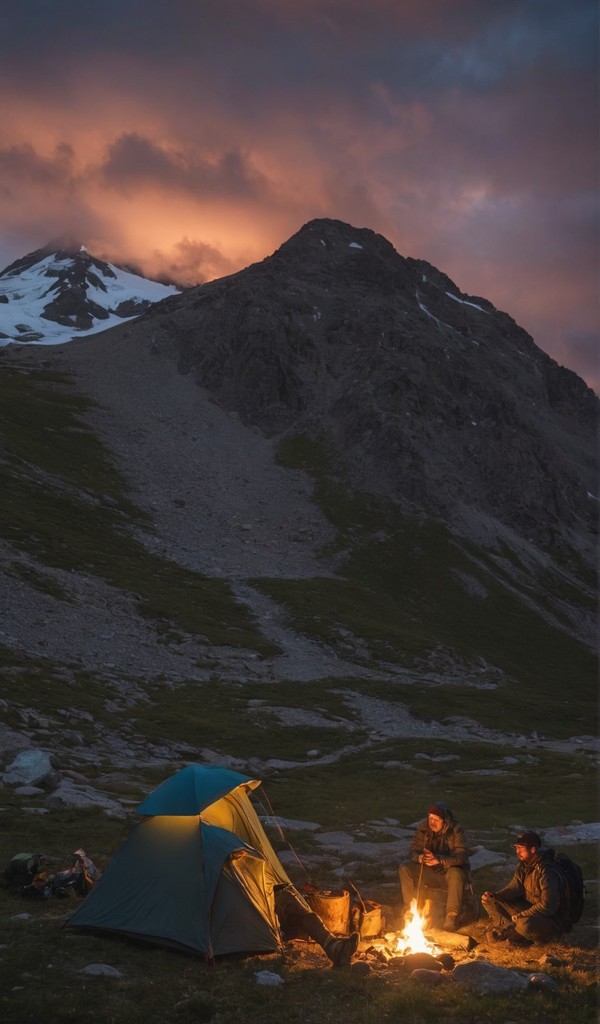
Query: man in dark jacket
x: 526, y: 910
x: 437, y: 859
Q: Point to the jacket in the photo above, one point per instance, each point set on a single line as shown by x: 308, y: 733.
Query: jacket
x: 449, y: 845
x: 537, y: 883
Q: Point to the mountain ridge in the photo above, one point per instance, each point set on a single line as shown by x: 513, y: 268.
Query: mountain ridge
x: 61, y: 290
x: 417, y: 384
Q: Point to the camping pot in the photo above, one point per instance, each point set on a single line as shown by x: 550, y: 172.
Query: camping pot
x: 333, y: 907
x: 371, y: 920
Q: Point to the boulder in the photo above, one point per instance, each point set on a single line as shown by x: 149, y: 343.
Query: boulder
x: 70, y: 795
x: 485, y: 978
x: 29, y: 768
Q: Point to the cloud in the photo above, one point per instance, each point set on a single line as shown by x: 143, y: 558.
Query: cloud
x: 192, y: 262
x: 135, y: 161
x: 193, y: 139
x: 21, y: 164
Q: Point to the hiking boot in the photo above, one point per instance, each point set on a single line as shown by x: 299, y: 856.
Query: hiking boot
x: 451, y: 922
x: 509, y: 935
x: 514, y: 939
x: 341, y: 951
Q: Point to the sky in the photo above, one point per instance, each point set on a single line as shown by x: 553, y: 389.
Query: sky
x: 192, y: 138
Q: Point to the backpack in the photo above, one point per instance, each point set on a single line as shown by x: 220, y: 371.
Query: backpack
x: 22, y: 869
x: 572, y: 890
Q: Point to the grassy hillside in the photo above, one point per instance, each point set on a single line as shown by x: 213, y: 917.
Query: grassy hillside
x: 63, y: 502
x: 407, y: 594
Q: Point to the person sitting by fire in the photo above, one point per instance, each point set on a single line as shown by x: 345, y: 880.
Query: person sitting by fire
x: 526, y: 909
x: 437, y: 859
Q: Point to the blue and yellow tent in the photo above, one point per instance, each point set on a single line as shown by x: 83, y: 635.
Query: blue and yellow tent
x: 197, y: 872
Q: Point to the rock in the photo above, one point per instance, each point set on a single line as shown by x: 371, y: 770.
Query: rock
x: 29, y: 768
x: 542, y: 983
x: 28, y: 791
x: 70, y: 795
x: 446, y: 960
x: 268, y: 978
x: 485, y: 978
x: 431, y: 978
x: 566, y: 835
x: 70, y: 738
x: 552, y: 961
x: 424, y: 961
x: 360, y: 968
x: 101, y: 969
x: 482, y: 858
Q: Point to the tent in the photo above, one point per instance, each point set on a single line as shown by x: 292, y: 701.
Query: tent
x: 197, y: 872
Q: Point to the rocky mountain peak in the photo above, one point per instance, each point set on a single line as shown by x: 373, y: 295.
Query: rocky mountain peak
x: 62, y: 289
x: 431, y: 397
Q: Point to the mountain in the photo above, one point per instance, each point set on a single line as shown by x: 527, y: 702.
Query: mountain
x: 426, y: 396
x: 62, y: 291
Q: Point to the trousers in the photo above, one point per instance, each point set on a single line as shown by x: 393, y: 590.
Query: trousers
x: 537, y: 928
x: 453, y: 880
x: 295, y: 915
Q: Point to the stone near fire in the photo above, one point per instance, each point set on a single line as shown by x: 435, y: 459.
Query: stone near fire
x: 485, y: 978
x: 360, y: 968
x: 425, y: 961
x: 431, y: 978
x: 542, y: 983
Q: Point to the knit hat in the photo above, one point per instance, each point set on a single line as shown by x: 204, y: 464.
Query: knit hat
x: 528, y: 839
x: 439, y: 810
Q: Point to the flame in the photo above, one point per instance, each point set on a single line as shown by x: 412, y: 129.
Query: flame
x: 412, y: 938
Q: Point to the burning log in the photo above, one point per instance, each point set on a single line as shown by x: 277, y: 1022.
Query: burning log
x: 413, y: 948
x: 456, y: 940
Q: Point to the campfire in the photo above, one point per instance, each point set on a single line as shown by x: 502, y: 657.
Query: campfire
x: 412, y: 947
x: 412, y: 939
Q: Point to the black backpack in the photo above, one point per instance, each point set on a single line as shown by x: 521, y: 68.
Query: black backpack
x: 572, y: 890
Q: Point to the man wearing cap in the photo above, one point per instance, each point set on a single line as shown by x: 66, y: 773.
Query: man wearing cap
x: 526, y: 910
x: 437, y: 859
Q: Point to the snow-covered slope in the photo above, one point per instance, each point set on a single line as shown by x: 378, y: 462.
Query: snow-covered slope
x: 61, y: 292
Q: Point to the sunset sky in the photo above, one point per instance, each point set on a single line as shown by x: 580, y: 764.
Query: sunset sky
x: 193, y: 137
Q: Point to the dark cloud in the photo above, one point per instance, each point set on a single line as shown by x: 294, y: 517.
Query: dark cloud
x: 133, y: 161
x: 23, y: 163
x: 193, y: 262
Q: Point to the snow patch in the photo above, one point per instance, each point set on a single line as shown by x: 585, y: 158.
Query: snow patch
x: 464, y: 302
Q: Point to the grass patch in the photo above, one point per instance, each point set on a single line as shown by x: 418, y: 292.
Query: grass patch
x: 412, y: 594
x: 42, y: 425
x: 41, y: 581
x: 53, y: 690
x: 54, y: 485
x: 557, y: 788
x: 217, y: 715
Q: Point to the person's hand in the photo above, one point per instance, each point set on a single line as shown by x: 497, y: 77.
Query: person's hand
x: 429, y: 859
x: 515, y: 918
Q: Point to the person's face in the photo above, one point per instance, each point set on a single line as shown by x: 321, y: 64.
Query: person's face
x: 525, y: 853
x: 435, y: 823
